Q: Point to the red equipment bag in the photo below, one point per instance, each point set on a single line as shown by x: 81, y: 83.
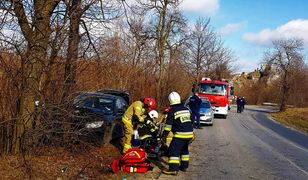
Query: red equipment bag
x: 134, y: 160
x: 115, y: 166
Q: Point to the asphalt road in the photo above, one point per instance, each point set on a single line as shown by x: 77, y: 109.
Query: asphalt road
x: 245, y: 146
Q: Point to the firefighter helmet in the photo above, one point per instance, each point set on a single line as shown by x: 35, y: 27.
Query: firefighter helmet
x: 149, y: 103
x: 174, y: 98
x: 153, y: 114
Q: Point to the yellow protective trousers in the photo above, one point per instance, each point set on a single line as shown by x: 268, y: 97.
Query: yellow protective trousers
x: 128, y: 132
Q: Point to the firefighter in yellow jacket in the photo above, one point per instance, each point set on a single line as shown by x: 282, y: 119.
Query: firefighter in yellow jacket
x: 135, y: 113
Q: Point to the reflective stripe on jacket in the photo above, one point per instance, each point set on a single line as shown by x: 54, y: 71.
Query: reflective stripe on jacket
x: 179, y: 122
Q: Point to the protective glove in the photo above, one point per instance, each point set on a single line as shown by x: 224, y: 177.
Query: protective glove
x: 192, y: 139
x: 150, y: 124
x: 154, y: 130
x: 163, y: 138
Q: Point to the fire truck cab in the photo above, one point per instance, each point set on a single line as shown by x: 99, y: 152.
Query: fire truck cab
x: 218, y: 92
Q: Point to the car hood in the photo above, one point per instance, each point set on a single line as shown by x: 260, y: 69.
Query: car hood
x: 205, y: 110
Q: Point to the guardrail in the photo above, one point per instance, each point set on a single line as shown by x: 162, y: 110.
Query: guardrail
x: 269, y: 104
x: 275, y: 104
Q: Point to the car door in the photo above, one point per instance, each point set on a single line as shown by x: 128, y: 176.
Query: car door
x: 90, y: 106
x: 120, y: 108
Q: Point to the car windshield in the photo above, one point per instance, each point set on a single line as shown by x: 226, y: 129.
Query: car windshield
x: 213, y: 89
x: 205, y: 104
x: 106, y: 104
x: 78, y: 99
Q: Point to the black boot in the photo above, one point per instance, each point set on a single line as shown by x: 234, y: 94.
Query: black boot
x: 183, y: 169
x: 168, y: 172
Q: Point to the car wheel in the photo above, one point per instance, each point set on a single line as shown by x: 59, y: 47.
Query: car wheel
x: 117, y: 135
x: 108, y: 133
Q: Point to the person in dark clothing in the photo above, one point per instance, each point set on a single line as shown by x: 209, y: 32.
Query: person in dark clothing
x: 240, y: 102
x: 179, y: 122
x: 244, y: 102
x: 194, y: 106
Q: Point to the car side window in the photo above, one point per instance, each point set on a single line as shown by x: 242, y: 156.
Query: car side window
x: 89, y: 102
x: 105, y: 104
x: 120, y: 104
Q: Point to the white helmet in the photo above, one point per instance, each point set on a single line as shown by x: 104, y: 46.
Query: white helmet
x: 174, y: 98
x: 153, y: 114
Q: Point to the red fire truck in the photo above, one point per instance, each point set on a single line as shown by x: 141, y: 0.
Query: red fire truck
x: 218, y: 92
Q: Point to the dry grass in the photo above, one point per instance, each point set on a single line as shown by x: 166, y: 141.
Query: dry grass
x: 59, y: 163
x: 296, y: 118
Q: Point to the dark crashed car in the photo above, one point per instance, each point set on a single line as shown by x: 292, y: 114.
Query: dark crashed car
x: 98, y: 116
x: 123, y: 94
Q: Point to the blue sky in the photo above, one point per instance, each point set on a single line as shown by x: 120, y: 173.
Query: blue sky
x: 249, y: 26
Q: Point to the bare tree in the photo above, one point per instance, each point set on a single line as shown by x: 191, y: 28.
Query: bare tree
x: 34, y: 22
x: 199, y: 46
x: 286, y: 57
x: 84, y: 14
x: 206, y: 52
x: 42, y: 26
x: 164, y: 14
x: 222, y: 68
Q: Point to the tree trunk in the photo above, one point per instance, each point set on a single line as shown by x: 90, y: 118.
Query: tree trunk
x: 72, y: 50
x: 284, y: 96
x: 159, y: 90
x: 29, y: 114
x: 32, y: 80
x: 161, y: 40
x: 70, y: 68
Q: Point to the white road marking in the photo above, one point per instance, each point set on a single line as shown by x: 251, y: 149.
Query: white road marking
x: 283, y: 139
